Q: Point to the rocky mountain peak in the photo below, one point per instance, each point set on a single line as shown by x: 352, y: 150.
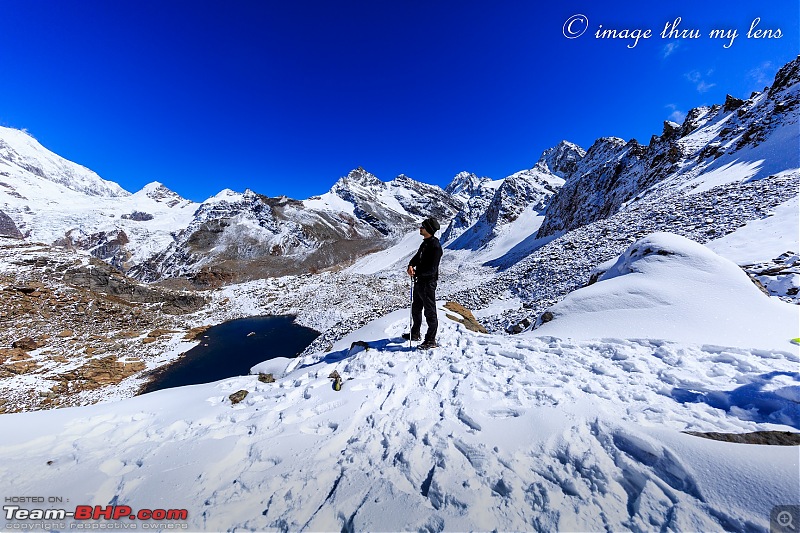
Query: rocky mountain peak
x: 732, y: 103
x: 560, y: 160
x: 601, y: 151
x: 160, y: 193
x: 361, y: 177
x: 405, y: 181
x: 671, y: 130
x: 695, y: 118
x: 464, y: 185
x: 787, y: 76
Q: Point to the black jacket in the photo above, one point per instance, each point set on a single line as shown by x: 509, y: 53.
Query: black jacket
x: 426, y: 260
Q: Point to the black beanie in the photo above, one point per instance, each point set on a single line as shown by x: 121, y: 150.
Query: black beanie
x: 431, y: 225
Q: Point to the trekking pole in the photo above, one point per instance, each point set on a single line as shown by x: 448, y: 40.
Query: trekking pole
x: 411, y: 310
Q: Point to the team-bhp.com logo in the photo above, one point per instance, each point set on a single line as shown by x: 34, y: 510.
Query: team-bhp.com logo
x: 88, y: 512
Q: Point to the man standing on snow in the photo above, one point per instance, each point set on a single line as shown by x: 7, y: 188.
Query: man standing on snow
x: 424, y: 268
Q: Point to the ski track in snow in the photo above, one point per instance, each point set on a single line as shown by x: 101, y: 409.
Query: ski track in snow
x: 520, y: 433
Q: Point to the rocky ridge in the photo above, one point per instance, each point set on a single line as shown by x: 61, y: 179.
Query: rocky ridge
x: 489, y: 205
x: 566, y: 263
x: 614, y: 172
x: 249, y: 236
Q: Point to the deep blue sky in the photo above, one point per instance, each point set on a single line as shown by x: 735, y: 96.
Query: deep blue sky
x: 285, y: 97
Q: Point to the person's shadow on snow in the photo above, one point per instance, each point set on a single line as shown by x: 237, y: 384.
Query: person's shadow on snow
x: 395, y: 344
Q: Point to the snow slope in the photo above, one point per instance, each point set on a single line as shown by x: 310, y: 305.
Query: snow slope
x: 390, y: 258
x: 528, y: 432
x: 20, y: 151
x: 51, y: 199
x: 668, y: 287
x: 764, y: 238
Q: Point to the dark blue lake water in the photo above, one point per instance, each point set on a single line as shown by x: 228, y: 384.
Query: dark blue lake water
x: 228, y: 350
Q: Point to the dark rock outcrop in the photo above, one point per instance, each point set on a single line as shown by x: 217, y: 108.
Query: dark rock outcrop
x: 101, y: 277
x: 138, y: 216
x: 8, y: 228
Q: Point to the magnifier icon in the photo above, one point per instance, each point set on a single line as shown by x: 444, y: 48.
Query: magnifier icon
x: 786, y: 520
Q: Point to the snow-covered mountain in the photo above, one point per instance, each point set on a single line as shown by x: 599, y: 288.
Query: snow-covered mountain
x: 501, y: 214
x: 520, y: 198
x: 239, y: 236
x: 560, y: 160
x: 21, y: 156
x: 156, y: 234
x: 738, y: 141
x: 54, y: 201
x: 475, y: 195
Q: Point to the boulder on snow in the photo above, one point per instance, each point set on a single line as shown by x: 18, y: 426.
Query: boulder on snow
x: 137, y: 216
x: 8, y: 228
x: 467, y: 318
x: 238, y: 396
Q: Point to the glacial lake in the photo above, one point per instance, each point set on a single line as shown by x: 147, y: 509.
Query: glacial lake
x: 232, y: 348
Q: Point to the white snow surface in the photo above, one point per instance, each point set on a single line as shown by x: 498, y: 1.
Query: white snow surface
x: 668, y: 287
x: 19, y: 149
x: 388, y: 259
x: 527, y: 432
x: 763, y: 239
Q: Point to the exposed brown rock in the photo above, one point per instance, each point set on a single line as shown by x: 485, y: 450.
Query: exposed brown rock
x: 25, y: 343
x: 772, y: 438
x: 12, y: 354
x: 22, y: 367
x: 97, y: 373
x: 160, y: 332
x: 468, y: 319
x: 195, y: 333
x: 211, y: 278
x: 238, y: 396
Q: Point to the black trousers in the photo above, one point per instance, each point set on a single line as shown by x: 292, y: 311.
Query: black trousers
x: 424, y: 298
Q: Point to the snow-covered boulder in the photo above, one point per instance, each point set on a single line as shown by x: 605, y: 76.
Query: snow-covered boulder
x: 665, y: 286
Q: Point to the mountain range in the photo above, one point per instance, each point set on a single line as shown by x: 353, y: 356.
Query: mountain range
x: 155, y: 234
x: 580, y: 206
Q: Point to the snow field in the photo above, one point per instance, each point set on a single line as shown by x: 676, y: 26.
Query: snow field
x: 665, y: 286
x: 513, y: 433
